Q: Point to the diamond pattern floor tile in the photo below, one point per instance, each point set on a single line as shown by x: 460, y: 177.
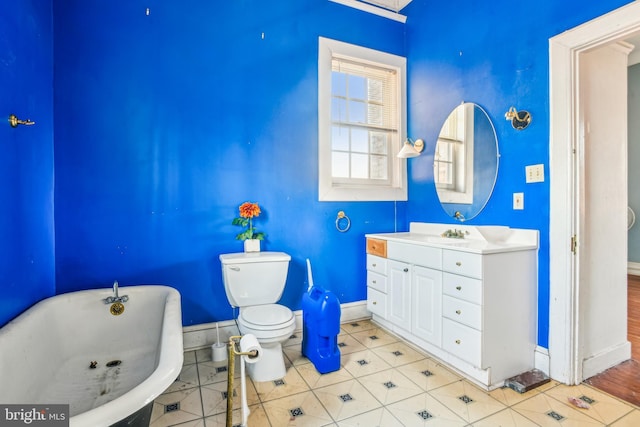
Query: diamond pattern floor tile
x: 382, y: 381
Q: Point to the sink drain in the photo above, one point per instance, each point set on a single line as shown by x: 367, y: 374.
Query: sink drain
x: 113, y: 363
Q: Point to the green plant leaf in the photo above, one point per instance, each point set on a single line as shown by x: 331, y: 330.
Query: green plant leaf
x: 240, y: 221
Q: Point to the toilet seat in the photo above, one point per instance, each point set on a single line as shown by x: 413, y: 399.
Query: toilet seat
x: 270, y: 323
x: 266, y: 317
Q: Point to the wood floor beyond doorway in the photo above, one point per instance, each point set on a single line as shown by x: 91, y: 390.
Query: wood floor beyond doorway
x: 623, y: 380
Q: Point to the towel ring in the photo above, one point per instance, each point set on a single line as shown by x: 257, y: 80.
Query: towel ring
x: 347, y: 223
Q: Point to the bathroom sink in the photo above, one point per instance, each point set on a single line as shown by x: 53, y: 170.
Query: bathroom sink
x: 494, y: 233
x: 430, y: 238
x: 446, y: 240
x: 473, y: 235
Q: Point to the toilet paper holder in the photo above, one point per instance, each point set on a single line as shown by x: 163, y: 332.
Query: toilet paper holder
x: 234, y: 350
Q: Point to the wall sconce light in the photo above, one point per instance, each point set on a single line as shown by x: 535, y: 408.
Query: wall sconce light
x: 519, y: 119
x: 411, y: 148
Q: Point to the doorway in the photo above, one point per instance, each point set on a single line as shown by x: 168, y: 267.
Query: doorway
x: 578, y: 344
x: 622, y: 380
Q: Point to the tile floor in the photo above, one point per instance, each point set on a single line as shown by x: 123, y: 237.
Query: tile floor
x: 382, y: 381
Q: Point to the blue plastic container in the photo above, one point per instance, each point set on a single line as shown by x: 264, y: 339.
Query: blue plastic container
x: 320, y: 327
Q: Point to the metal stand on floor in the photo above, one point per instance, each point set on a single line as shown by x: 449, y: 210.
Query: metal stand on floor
x: 233, y: 351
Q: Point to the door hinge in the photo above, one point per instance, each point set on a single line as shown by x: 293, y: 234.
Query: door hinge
x: 574, y: 243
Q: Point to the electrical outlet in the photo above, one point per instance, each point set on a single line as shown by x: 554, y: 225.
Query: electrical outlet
x: 534, y: 173
x: 518, y: 201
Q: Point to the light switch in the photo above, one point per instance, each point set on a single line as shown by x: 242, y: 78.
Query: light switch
x: 518, y: 201
x: 534, y: 173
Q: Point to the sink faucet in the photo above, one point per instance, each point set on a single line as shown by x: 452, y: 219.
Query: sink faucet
x: 116, y: 297
x: 454, y: 234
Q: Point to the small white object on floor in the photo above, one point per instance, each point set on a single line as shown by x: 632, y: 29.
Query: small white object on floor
x: 578, y: 402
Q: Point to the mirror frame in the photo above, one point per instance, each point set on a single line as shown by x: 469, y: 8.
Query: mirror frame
x: 458, y: 210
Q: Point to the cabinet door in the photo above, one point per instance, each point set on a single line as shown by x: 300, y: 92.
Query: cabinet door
x: 399, y: 293
x: 427, y: 304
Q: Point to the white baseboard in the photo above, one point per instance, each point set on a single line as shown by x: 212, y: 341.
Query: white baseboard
x: 633, y: 268
x: 606, y: 359
x: 541, y: 359
x: 204, y: 334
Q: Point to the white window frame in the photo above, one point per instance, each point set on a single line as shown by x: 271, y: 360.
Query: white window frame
x: 328, y: 188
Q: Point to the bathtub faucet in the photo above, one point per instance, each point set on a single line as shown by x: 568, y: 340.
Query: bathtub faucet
x: 116, y: 298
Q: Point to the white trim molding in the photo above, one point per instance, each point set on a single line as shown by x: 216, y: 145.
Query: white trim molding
x: 376, y: 10
x: 204, y: 335
x: 541, y: 359
x: 605, y: 359
x: 564, y: 50
x: 633, y: 268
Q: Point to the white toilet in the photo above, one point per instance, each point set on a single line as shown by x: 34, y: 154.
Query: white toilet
x: 254, y: 281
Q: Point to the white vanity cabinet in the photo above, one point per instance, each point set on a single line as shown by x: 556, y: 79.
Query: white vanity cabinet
x: 399, y: 294
x: 463, y: 317
x: 426, y: 309
x: 412, y: 290
x: 377, y: 285
x: 470, y: 302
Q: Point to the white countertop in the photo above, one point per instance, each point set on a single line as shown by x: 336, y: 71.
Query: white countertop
x: 478, y: 239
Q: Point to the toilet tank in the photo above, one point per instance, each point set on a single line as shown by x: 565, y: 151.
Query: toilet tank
x: 253, y: 278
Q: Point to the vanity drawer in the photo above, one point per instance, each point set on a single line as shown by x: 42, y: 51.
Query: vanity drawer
x: 377, y: 281
x: 463, y: 263
x: 462, y: 341
x: 462, y: 287
x: 377, y: 302
x: 462, y: 311
x: 425, y: 256
x: 377, y: 247
x: 377, y: 264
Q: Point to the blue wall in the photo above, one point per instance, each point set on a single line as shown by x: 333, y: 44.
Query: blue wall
x: 26, y: 156
x: 166, y: 123
x: 498, y: 57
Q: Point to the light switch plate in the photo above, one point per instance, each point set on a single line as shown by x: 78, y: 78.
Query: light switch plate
x: 534, y: 173
x: 518, y: 201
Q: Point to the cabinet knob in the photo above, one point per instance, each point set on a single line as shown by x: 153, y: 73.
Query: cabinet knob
x: 375, y: 303
x: 458, y: 263
x: 374, y: 281
x: 459, y: 287
x: 374, y: 264
x: 458, y: 312
x: 457, y: 341
x: 405, y: 270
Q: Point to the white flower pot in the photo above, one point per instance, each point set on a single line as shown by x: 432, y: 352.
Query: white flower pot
x: 252, y: 245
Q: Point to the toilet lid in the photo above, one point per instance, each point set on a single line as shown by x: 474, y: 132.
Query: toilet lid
x: 267, y: 316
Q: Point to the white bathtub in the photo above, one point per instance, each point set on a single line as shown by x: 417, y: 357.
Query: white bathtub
x: 46, y: 353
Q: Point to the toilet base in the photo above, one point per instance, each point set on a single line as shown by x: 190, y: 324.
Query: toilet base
x: 270, y: 367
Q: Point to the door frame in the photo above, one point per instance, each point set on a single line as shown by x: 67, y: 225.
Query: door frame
x: 565, y: 363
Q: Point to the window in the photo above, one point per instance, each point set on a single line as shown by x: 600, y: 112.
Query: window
x: 361, y: 98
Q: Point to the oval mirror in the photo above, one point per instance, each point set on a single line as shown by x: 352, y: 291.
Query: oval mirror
x: 465, y: 163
